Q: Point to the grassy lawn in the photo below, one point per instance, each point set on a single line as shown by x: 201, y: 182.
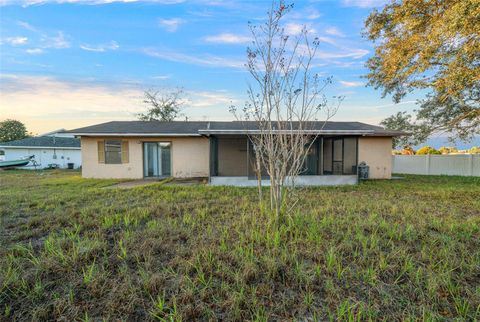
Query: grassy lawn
x: 70, y: 249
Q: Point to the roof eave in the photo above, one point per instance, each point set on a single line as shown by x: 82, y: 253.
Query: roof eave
x: 39, y: 147
x: 314, y: 132
x: 134, y: 134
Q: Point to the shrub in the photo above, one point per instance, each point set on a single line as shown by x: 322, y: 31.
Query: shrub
x: 427, y: 150
x: 408, y: 151
x: 474, y: 150
x: 447, y: 149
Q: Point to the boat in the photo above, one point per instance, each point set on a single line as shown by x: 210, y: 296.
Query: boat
x: 15, y: 163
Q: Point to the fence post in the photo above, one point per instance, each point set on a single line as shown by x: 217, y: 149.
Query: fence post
x: 427, y: 164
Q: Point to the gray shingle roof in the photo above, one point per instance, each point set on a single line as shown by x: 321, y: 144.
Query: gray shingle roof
x: 233, y: 127
x: 44, y: 141
x: 152, y: 127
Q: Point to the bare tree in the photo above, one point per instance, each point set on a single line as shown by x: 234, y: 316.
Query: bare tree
x: 285, y: 101
x: 162, y: 106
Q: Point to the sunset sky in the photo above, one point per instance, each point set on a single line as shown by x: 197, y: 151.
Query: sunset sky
x: 66, y: 64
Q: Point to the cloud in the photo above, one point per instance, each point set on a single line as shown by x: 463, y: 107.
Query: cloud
x: 35, y: 51
x: 44, y: 102
x: 14, y: 41
x: 197, y: 59
x: 58, y: 42
x: 162, y: 77
x: 170, y: 25
x: 351, y: 84
x: 25, y: 25
x: 344, y: 53
x: 227, y: 38
x: 364, y: 3
x: 327, y: 40
x: 41, y: 41
x: 410, y: 102
x: 113, y: 45
x: 208, y: 99
x: 334, y: 31
x: 313, y: 14
x: 293, y: 28
x: 309, y: 13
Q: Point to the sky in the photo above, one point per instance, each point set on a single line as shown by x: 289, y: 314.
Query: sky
x: 72, y: 63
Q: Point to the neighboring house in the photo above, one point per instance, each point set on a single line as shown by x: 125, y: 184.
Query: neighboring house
x: 58, y: 133
x: 221, y: 151
x: 48, y: 151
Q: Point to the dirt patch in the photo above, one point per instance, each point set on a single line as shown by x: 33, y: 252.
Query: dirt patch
x: 135, y: 183
x: 187, y: 181
x: 167, y: 181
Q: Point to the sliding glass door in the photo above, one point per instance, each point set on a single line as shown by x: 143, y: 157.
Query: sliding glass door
x: 157, y: 159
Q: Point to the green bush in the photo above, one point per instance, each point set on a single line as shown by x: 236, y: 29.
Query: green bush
x: 427, y: 150
x: 474, y: 150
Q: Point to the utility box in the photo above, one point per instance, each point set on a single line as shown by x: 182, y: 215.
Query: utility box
x: 363, y: 170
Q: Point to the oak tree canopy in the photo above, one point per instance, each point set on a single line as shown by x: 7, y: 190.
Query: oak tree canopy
x: 431, y: 46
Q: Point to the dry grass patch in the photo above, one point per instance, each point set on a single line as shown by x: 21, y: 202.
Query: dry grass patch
x: 403, y: 249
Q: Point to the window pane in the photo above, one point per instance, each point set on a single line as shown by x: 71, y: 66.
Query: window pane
x: 113, y: 151
x: 113, y: 157
x: 327, y: 156
x: 113, y: 146
x: 165, y: 159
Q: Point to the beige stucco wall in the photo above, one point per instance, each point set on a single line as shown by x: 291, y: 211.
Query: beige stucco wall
x: 377, y: 153
x: 190, y: 158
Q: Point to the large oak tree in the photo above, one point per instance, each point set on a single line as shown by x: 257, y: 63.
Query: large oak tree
x: 432, y: 46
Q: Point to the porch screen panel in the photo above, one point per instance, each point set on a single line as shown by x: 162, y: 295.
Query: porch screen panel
x: 252, y: 164
x: 311, y: 160
x: 232, y: 157
x: 338, y: 156
x: 327, y: 156
x: 349, y: 155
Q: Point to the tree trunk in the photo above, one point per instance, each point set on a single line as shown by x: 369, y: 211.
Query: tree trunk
x: 258, y: 165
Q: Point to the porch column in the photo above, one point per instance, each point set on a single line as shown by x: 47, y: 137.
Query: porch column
x: 248, y: 158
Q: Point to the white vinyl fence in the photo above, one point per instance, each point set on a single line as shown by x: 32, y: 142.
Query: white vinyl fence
x: 451, y: 164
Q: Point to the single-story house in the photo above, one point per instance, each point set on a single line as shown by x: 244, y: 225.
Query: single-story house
x: 48, y: 151
x: 222, y: 151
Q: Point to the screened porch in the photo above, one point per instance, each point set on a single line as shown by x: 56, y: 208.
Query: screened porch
x: 331, y: 160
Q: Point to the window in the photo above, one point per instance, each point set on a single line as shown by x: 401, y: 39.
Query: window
x: 113, y: 151
x: 2, y: 153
